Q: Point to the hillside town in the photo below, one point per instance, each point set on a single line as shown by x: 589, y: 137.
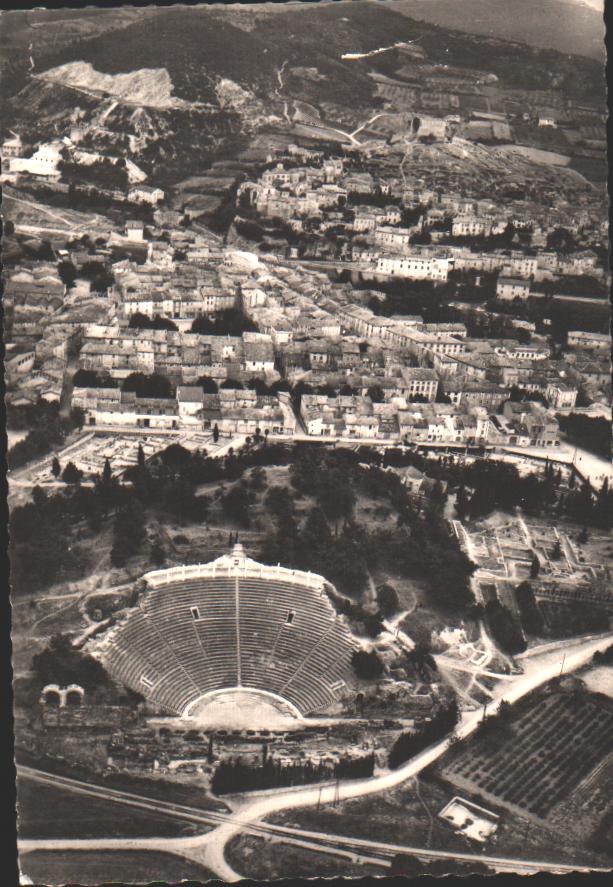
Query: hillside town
x: 271, y: 343
x: 308, y: 394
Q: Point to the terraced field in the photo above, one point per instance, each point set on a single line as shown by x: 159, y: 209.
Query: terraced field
x: 537, y: 761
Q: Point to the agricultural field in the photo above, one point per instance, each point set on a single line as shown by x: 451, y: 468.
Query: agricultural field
x: 532, y: 762
x: 101, y: 866
x: 409, y: 815
x: 51, y: 812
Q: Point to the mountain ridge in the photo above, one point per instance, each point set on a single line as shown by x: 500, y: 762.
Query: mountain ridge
x: 569, y: 27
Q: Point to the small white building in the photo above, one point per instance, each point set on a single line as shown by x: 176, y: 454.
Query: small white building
x: 470, y: 819
x: 547, y: 120
x: 589, y: 341
x: 509, y: 288
x: 146, y: 194
x: 135, y: 230
x: 561, y: 396
x: 44, y: 161
x: 12, y: 146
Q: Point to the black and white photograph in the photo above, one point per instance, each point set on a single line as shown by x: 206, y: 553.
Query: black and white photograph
x: 307, y: 366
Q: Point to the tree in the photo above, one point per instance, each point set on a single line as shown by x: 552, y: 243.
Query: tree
x: 535, y: 566
x: 556, y: 552
x: 107, y: 474
x: 258, y: 479
x: 158, y: 555
x: 280, y: 503
x: 504, y: 628
x: 367, y: 664
x: 387, y: 599
x: 71, y: 474
x: 67, y: 273
x: 315, y: 538
x: 129, y: 533
x: 208, y: 385
x: 236, y: 505
x: 60, y: 663
x: 229, y: 322
x: 582, y: 538
x: 215, y: 432
x: 531, y: 619
x: 154, y: 385
x: 461, y: 504
x: 56, y: 468
x: 176, y: 459
x: 376, y: 394
x: 603, y: 508
x: 140, y: 457
x: 335, y: 495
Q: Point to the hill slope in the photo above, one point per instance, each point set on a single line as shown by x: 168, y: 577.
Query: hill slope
x: 569, y: 26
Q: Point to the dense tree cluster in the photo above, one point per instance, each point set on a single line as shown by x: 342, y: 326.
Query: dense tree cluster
x: 153, y: 385
x: 594, y: 434
x: 530, y: 615
x: 239, y: 776
x: 92, y: 379
x: 504, y: 628
x: 48, y: 430
x: 61, y: 663
x: 230, y: 322
x: 488, y: 484
x: 409, y: 744
x: 140, y: 321
x: 331, y: 542
x: 367, y: 664
x: 105, y: 173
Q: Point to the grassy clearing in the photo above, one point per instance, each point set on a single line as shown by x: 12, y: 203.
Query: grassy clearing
x: 101, y: 866
x: 49, y: 812
x: 264, y: 860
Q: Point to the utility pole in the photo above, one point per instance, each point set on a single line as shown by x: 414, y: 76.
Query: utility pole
x: 562, y: 666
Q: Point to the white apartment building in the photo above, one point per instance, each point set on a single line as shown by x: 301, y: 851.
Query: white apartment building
x: 415, y: 267
x: 509, y: 288
x: 561, y: 396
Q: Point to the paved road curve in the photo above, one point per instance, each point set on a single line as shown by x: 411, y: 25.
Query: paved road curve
x: 310, y: 796
x: 209, y: 848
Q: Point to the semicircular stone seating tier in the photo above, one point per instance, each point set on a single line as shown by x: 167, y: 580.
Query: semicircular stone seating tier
x: 194, y: 635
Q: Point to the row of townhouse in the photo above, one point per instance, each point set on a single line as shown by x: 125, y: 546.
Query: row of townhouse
x: 329, y: 172
x: 527, y: 424
x: 480, y: 380
x: 119, y: 352
x: 517, y: 264
x: 589, y: 341
x: 469, y: 225
x: 370, y: 218
x: 354, y: 416
x: 306, y: 202
x: 181, y: 308
x: 550, y: 263
x: 398, y: 384
x: 232, y: 411
x: 347, y: 416
x: 418, y: 266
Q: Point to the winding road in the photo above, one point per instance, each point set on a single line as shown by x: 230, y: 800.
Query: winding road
x: 248, y: 811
